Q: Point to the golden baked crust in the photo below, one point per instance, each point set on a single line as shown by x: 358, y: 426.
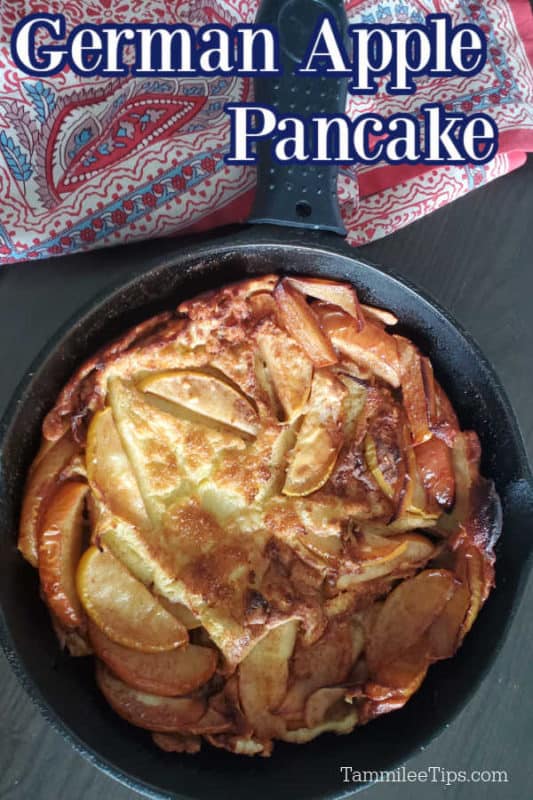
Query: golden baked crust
x: 274, y: 477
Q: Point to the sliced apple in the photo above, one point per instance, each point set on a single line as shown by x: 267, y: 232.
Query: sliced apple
x: 264, y: 672
x: 121, y: 538
x: 51, y: 460
x: 429, y: 389
x: 320, y: 437
x: 160, y: 714
x: 211, y: 723
x: 327, y: 547
x: 177, y: 742
x: 338, y: 294
x: 405, y: 674
x: 45, y: 446
x: 413, y: 392
x: 406, y: 614
x: 371, y: 458
x: 410, y: 551
x: 372, y: 548
x: 320, y: 702
x: 73, y: 640
x: 386, y: 318
x: 181, y: 612
x: 289, y: 369
x: 123, y: 608
x: 169, y: 674
x: 474, y: 571
x: 205, y: 394
x: 443, y: 636
x: 326, y: 662
x: 342, y: 718
x: 60, y: 543
x: 407, y: 522
x: 435, y: 465
x: 445, y: 424
x: 263, y: 677
x: 300, y: 322
x: 465, y: 458
x: 415, y: 500
x: 372, y: 347
x: 109, y: 471
x: 241, y: 745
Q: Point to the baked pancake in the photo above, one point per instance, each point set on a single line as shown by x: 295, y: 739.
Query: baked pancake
x: 260, y: 513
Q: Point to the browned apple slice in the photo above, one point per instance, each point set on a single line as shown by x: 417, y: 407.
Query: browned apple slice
x: 177, y: 742
x: 241, y: 745
x: 371, y: 458
x: 413, y: 392
x: 109, y: 471
x: 477, y: 573
x: 181, y: 612
x: 123, y: 608
x: 205, y: 394
x: 415, y: 500
x: 465, y: 458
x: 264, y: 672
x: 73, y: 640
x: 445, y: 424
x: 289, y: 369
x: 429, y: 389
x: 320, y: 437
x: 376, y: 549
x: 160, y: 714
x: 319, y: 704
x: 51, y: 461
x: 406, y: 614
x: 402, y: 524
x: 379, y: 315
x: 405, y: 673
x: 443, y: 636
x: 372, y: 348
x: 300, y: 322
x: 120, y: 537
x: 326, y: 662
x: 212, y: 722
x: 435, y: 465
x: 60, y: 543
x: 332, y: 292
x: 169, y: 674
x: 342, y: 718
x: 263, y: 677
x: 410, y: 551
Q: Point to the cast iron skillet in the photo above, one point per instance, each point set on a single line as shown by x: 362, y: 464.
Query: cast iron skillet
x: 64, y: 688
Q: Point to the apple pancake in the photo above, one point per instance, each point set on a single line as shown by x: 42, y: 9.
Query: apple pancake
x: 260, y: 514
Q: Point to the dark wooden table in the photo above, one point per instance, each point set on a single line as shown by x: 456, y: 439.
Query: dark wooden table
x: 476, y: 258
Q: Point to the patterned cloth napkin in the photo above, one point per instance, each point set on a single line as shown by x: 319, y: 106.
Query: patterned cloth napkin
x: 91, y: 162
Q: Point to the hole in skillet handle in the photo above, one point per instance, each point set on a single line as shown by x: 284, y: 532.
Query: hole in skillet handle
x: 304, y: 209
x: 279, y: 185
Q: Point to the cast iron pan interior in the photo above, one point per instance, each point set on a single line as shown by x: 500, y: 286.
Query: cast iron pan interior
x: 64, y: 688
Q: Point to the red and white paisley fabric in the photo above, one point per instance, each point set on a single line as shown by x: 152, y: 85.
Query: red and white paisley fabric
x: 91, y: 162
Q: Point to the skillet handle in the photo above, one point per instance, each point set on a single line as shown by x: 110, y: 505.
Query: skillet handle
x: 298, y: 195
